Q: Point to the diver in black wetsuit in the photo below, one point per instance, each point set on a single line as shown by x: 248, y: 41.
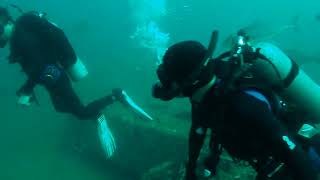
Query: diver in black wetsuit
x: 46, y: 56
x: 242, y: 121
x: 48, y: 59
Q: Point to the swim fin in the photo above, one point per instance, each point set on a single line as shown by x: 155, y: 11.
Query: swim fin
x: 105, y: 136
x: 127, y: 100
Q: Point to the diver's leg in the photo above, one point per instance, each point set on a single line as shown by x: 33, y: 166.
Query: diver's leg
x: 63, y: 97
x: 98, y: 105
x: 66, y: 100
x: 196, y: 141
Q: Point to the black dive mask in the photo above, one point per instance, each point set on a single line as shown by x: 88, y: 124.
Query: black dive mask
x: 167, y: 89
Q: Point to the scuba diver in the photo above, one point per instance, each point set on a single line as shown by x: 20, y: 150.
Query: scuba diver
x: 240, y: 96
x: 48, y: 59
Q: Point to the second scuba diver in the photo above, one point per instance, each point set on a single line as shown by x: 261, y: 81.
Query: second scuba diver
x: 48, y: 59
x: 237, y: 96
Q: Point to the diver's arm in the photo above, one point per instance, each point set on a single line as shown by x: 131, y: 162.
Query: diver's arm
x: 197, y: 136
x: 196, y: 141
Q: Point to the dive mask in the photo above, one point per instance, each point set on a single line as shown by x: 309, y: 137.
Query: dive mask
x: 167, y: 89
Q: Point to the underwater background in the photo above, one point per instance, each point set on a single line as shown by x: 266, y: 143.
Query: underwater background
x: 37, y: 143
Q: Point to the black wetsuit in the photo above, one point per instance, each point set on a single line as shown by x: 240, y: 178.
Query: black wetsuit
x: 246, y: 127
x: 42, y: 49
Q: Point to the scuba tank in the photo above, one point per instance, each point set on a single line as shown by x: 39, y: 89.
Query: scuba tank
x: 77, y: 71
x: 266, y: 65
x: 296, y: 86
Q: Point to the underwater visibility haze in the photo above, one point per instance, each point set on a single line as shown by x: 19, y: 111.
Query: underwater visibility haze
x: 122, y: 44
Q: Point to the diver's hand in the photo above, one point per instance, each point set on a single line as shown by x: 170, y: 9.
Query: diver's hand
x: 105, y: 136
